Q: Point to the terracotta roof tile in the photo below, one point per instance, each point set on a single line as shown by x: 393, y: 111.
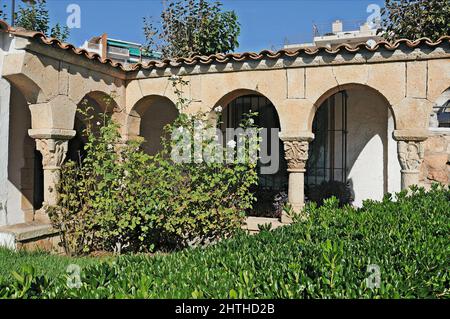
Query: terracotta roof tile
x: 220, y: 57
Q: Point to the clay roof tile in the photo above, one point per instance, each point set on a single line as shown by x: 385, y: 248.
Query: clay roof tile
x: 219, y: 57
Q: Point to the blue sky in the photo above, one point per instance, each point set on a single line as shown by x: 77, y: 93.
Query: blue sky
x: 265, y: 24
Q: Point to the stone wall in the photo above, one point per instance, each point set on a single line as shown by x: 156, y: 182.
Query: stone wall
x: 436, y: 164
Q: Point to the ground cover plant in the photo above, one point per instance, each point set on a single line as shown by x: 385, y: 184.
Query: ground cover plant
x: 326, y: 255
x: 42, y: 262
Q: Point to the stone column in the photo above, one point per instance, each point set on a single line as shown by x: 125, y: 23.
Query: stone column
x: 53, y: 155
x: 296, y: 154
x: 53, y: 145
x: 410, y: 149
x: 410, y: 155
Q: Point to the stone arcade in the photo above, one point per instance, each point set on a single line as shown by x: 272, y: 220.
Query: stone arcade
x: 358, y: 114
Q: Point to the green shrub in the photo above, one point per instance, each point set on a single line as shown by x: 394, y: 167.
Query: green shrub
x: 325, y: 256
x: 123, y: 200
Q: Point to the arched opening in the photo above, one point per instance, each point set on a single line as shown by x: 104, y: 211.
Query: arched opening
x: 95, y: 105
x: 25, y: 184
x: 436, y: 165
x: 271, y: 191
x: 440, y: 117
x: 149, y: 117
x: 353, y: 145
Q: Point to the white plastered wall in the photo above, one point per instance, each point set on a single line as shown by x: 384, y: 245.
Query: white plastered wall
x: 4, y: 134
x: 372, y: 163
x: 19, y: 171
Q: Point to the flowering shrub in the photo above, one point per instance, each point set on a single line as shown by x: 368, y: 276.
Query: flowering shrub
x: 121, y: 199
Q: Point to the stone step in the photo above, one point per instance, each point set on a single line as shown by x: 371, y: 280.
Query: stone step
x: 252, y: 223
x: 29, y: 236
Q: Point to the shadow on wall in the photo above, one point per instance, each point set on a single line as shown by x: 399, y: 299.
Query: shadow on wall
x: 367, y: 144
x: 151, y: 115
x: 76, y: 150
x: 25, y: 173
x: 351, y: 128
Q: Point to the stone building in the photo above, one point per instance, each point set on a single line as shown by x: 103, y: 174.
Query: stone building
x: 352, y: 113
x: 365, y: 34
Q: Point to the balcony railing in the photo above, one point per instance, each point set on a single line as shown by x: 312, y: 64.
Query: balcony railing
x: 118, y: 51
x: 93, y: 46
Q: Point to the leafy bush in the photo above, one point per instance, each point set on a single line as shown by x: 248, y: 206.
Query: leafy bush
x: 123, y: 200
x: 325, y: 256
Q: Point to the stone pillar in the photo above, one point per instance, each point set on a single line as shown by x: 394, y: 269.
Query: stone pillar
x: 410, y: 155
x: 53, y: 155
x: 296, y: 154
x: 411, y: 150
x: 53, y: 145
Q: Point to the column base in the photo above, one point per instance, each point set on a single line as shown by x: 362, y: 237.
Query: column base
x: 285, y: 219
x: 41, y: 216
x: 409, y: 178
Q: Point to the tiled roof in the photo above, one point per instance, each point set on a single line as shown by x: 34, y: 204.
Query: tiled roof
x: 220, y: 57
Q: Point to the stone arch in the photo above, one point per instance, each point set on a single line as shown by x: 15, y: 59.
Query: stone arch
x: 28, y: 88
x: 103, y: 102
x: 24, y: 186
x: 273, y: 176
x: 441, y: 112
x: 148, y: 118
x: 350, y: 137
x: 343, y: 87
x: 96, y: 104
x: 233, y: 94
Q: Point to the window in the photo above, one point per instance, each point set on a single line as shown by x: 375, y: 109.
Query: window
x: 271, y: 190
x: 443, y: 114
x: 328, y: 151
x: 440, y: 117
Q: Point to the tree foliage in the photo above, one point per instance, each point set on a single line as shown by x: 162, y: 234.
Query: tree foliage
x: 34, y: 16
x: 414, y: 19
x: 190, y: 27
x: 2, y: 12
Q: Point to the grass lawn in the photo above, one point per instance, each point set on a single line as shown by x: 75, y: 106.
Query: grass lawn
x: 44, y: 263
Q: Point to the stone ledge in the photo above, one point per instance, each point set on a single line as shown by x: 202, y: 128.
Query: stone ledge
x: 440, y: 131
x: 251, y: 224
x: 42, y: 133
x: 296, y: 136
x: 415, y: 135
x: 14, y: 235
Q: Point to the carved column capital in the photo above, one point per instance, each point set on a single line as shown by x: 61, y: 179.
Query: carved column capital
x: 410, y: 155
x: 53, y: 152
x: 296, y: 154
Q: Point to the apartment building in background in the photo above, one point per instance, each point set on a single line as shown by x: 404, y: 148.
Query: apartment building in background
x: 338, y: 36
x: 121, y: 51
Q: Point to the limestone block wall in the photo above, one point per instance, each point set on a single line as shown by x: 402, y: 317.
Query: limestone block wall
x: 436, y: 164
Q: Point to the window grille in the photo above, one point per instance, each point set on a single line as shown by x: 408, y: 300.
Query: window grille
x: 267, y: 118
x: 327, y: 159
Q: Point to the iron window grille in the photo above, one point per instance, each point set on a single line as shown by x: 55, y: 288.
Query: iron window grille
x: 327, y: 160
